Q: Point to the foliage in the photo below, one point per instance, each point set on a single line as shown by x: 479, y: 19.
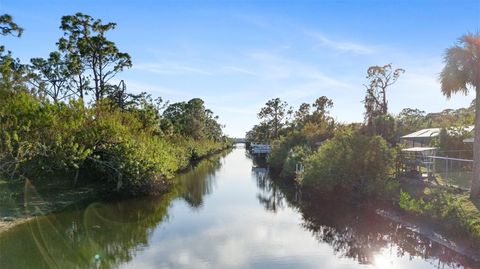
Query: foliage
x: 38, y: 137
x: 410, y: 120
x: 445, y: 208
x: 462, y: 72
x: 104, y: 144
x: 385, y: 126
x: 121, y: 140
x: 281, y: 148
x: 380, y: 78
x: 305, y: 133
x: 13, y: 75
x: 462, y: 66
x: 192, y: 119
x: 350, y: 162
x: 86, y: 47
x: 52, y: 73
x: 451, y: 140
x: 259, y: 133
x: 273, y: 114
x: 296, y: 156
x: 9, y: 27
x: 417, y: 206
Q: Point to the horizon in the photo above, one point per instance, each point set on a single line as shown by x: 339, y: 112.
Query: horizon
x: 238, y: 55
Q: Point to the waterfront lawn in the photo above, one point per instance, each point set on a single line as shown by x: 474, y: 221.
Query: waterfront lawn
x: 449, y: 208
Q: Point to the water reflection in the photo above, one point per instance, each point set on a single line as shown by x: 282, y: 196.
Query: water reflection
x: 99, y: 235
x: 356, y: 232
x: 224, y: 214
x: 270, y: 195
x: 199, y: 180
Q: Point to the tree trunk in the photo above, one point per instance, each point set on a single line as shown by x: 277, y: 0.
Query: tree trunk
x: 81, y: 86
x: 475, y: 190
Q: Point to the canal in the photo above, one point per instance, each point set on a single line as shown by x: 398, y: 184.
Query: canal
x: 226, y: 213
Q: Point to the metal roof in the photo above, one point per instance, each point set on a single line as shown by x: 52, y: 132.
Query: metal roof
x: 418, y: 149
x: 433, y: 132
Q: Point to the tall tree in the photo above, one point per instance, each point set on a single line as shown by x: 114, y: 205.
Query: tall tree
x: 52, y: 73
x: 9, y: 27
x: 379, y: 79
x: 192, y: 119
x: 273, y: 113
x: 410, y: 120
x: 14, y: 76
x: 88, y: 47
x: 321, y: 105
x: 460, y: 75
x: 302, y: 114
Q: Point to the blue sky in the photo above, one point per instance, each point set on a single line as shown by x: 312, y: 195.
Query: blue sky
x: 238, y: 54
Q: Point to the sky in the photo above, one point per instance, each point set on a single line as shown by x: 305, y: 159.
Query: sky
x: 236, y: 55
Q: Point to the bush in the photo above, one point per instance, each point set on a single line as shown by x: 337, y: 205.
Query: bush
x: 295, y: 156
x: 281, y: 148
x: 350, y: 162
x: 40, y: 139
x: 447, y: 209
x: 102, y: 144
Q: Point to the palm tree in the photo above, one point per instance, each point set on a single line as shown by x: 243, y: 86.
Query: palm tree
x: 461, y: 74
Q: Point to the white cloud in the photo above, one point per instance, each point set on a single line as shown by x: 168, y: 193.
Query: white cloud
x: 276, y: 67
x: 346, y: 46
x: 171, y: 68
x: 228, y: 69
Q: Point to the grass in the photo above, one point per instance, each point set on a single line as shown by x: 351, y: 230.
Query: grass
x: 460, y: 179
x: 449, y: 208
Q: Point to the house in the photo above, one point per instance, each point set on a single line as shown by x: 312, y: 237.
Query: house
x: 420, y: 138
x: 423, y: 138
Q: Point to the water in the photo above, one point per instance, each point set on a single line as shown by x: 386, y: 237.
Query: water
x: 225, y: 214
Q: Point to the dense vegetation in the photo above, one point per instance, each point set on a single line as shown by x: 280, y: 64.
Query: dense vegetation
x: 61, y: 118
x: 350, y: 162
x: 359, y: 161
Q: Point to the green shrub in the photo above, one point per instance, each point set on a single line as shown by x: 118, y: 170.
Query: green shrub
x: 351, y: 162
x: 281, y: 148
x: 40, y: 139
x: 445, y: 208
x: 416, y: 206
x: 295, y: 156
x: 103, y: 144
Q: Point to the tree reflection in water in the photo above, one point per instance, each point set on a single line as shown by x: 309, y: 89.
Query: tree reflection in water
x: 199, y: 180
x: 353, y: 231
x: 114, y: 231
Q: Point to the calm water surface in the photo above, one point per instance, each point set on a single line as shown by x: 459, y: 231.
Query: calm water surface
x: 225, y: 214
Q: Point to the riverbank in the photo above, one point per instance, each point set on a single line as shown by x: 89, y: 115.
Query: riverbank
x: 450, y: 210
x: 446, y: 216
x: 271, y: 225
x: 22, y: 202
x: 7, y: 223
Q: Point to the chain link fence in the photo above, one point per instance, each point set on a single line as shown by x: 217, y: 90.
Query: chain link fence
x: 454, y: 168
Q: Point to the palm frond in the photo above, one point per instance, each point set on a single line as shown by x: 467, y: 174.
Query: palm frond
x: 462, y: 66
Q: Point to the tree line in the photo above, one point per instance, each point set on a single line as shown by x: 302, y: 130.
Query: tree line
x: 303, y: 135
x: 69, y: 116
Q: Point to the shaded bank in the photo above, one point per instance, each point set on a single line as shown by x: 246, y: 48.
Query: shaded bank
x: 356, y: 230
x: 112, y: 231
x: 224, y: 214
x: 22, y: 202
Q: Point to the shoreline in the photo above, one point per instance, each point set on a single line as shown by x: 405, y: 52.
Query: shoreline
x: 422, y: 228
x: 89, y: 193
x: 6, y: 225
